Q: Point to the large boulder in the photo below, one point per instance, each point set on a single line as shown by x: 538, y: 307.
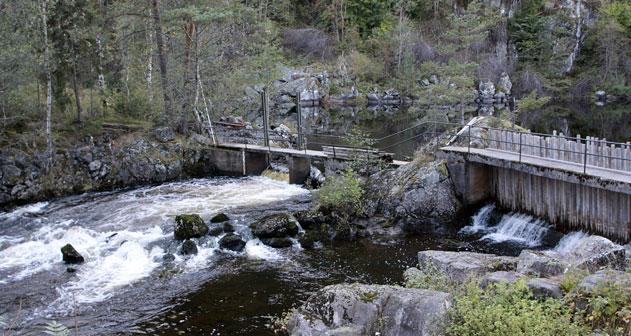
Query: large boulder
x: 371, y: 310
x: 542, y: 288
x: 419, y: 196
x: 189, y: 226
x: 595, y: 252
x: 275, y: 226
x: 460, y: 267
x: 70, y: 255
x: 540, y: 264
x: 164, y: 134
x: 277, y: 242
x: 232, y: 242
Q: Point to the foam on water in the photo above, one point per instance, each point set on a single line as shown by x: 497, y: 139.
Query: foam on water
x: 255, y: 249
x: 123, y: 236
x: 512, y: 227
x: 520, y: 228
x: 569, y: 242
x: 480, y: 221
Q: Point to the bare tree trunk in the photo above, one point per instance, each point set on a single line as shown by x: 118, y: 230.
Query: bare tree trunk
x: 189, y: 32
x: 162, y: 57
x: 400, y: 54
x: 77, y: 94
x: 49, y: 86
x: 149, y: 72
x: 101, y: 56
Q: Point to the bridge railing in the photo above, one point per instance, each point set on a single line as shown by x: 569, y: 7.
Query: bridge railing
x: 587, y: 151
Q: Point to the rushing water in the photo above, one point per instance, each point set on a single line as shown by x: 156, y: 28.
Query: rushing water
x: 125, y: 286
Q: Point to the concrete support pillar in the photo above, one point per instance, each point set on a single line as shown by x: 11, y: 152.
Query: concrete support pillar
x: 299, y: 169
x: 472, y: 181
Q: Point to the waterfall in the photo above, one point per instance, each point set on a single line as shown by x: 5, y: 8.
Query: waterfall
x: 513, y: 227
x: 569, y: 242
x: 578, y: 35
x: 520, y: 228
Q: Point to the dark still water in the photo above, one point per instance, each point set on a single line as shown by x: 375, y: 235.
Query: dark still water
x: 126, y: 287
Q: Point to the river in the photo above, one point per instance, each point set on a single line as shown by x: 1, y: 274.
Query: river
x: 125, y: 286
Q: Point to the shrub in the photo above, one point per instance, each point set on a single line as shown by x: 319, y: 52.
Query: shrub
x: 341, y: 192
x: 429, y: 278
x: 510, y: 309
x: 607, y: 308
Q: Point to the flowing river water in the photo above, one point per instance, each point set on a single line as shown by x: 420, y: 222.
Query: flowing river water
x: 125, y: 286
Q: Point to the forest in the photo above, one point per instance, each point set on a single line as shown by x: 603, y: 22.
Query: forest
x: 69, y: 66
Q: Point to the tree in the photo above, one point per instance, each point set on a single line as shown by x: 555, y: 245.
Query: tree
x: 162, y: 57
x: 49, y: 84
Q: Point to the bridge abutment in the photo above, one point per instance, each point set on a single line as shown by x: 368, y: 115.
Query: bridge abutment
x: 299, y: 169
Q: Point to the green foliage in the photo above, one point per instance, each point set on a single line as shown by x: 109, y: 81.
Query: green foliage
x: 526, y: 29
x: 607, y: 307
x: 341, y: 192
x: 369, y: 15
x: 430, y: 278
x: 571, y: 279
x: 620, y: 11
x: 55, y: 328
x: 510, y: 309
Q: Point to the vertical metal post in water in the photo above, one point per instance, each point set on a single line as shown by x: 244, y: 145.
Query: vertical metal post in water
x: 299, y: 119
x: 265, y: 117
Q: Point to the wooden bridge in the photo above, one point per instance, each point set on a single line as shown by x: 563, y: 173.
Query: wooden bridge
x: 575, y: 183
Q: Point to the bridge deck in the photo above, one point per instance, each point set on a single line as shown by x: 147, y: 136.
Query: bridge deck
x: 290, y: 151
x: 566, y: 166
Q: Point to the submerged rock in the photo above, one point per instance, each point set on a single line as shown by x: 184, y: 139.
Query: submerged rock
x: 372, y: 309
x: 188, y: 247
x: 232, y: 242
x: 275, y: 226
x: 70, y: 255
x: 277, y: 242
x: 215, y: 230
x: 462, y: 266
x: 220, y: 218
x: 189, y: 226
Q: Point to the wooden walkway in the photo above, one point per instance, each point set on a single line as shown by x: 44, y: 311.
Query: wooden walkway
x: 300, y: 153
x: 604, y: 174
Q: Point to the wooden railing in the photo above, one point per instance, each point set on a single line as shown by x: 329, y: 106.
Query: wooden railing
x: 587, y: 151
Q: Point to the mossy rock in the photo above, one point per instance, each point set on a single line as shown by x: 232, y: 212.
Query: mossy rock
x: 70, y: 255
x: 189, y: 226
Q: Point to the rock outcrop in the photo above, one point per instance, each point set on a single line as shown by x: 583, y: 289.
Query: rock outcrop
x: 371, y: 310
x: 460, y: 267
x: 419, y: 196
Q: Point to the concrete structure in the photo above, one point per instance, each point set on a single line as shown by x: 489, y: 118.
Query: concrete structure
x: 549, y: 181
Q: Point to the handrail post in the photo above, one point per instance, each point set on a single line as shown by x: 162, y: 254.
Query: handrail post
x: 299, y: 120
x: 265, y: 118
x: 469, y: 140
x: 585, y: 158
x: 520, y: 133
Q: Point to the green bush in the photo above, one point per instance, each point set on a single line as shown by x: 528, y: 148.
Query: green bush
x: 430, y: 278
x: 510, y: 309
x: 341, y: 192
x: 607, y: 308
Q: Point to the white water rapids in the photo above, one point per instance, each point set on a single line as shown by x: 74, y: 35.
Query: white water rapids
x: 123, y: 236
x: 518, y: 228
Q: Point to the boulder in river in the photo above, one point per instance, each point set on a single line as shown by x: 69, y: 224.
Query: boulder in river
x: 70, y: 255
x: 215, y: 230
x: 540, y: 264
x: 232, y: 242
x: 220, y: 218
x: 462, y: 266
x: 189, y: 226
x: 275, y: 226
x: 277, y: 242
x: 188, y: 247
x: 357, y: 309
